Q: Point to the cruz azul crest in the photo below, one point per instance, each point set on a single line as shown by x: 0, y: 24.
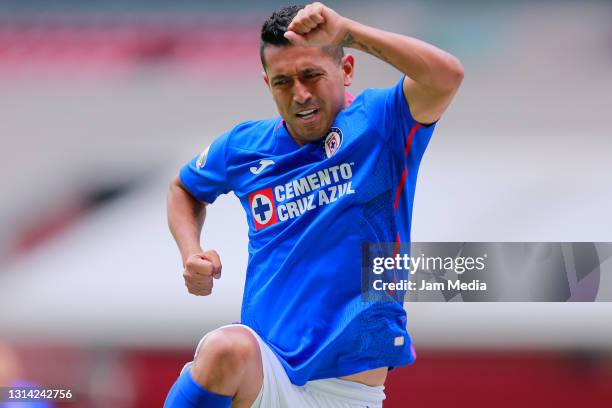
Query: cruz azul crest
x: 332, y: 142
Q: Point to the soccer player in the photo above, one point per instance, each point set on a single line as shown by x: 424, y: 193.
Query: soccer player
x: 332, y: 172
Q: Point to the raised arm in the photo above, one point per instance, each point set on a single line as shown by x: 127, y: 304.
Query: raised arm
x: 432, y: 75
x: 185, y: 218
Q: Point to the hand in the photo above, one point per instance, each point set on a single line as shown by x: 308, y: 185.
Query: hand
x: 316, y: 25
x: 200, y: 269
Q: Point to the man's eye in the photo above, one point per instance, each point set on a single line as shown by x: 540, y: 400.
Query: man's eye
x: 281, y: 82
x: 312, y: 75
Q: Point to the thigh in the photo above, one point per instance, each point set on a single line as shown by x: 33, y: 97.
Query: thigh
x: 277, y: 390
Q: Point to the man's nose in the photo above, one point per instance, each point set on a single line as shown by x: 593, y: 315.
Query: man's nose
x: 301, y: 94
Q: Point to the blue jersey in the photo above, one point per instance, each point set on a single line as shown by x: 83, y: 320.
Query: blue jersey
x: 309, y: 209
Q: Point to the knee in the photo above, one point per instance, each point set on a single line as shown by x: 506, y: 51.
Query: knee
x: 229, y: 351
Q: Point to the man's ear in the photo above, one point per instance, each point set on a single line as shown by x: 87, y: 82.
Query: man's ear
x: 265, y: 78
x: 348, y: 69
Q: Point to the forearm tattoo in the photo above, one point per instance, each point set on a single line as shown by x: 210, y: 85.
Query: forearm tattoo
x: 349, y: 41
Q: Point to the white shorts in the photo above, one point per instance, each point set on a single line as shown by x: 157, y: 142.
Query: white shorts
x: 277, y: 390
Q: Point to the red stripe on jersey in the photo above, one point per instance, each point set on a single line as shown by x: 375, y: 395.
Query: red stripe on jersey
x: 400, y: 187
x: 396, y: 244
x: 410, y: 136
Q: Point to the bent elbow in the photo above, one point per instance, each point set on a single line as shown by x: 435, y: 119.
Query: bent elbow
x: 456, y: 72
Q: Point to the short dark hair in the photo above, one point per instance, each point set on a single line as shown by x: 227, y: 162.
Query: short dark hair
x: 274, y: 28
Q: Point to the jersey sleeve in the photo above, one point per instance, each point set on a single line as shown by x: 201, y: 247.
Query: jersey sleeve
x: 388, y: 111
x: 205, y: 176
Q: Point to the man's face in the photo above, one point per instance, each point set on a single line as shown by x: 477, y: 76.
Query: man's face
x: 307, y: 85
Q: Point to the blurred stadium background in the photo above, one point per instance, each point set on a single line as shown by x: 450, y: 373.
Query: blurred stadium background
x: 102, y: 102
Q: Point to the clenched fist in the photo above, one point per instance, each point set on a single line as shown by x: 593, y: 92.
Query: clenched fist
x: 200, y: 269
x: 316, y: 25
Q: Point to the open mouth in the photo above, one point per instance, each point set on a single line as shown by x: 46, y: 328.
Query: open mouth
x: 307, y: 114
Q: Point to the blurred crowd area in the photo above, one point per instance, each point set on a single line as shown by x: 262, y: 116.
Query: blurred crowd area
x: 102, y: 102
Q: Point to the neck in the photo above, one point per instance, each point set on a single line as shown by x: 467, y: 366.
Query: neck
x: 299, y: 142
